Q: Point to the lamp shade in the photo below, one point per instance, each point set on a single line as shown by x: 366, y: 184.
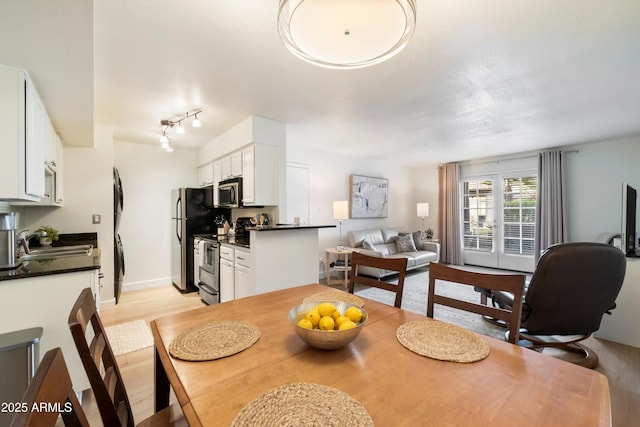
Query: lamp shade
x: 341, y: 209
x: 346, y: 34
x: 423, y: 209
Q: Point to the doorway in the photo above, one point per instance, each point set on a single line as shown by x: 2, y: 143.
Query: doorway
x: 498, y: 220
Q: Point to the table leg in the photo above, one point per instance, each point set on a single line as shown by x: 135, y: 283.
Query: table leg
x: 327, y: 269
x: 161, y: 383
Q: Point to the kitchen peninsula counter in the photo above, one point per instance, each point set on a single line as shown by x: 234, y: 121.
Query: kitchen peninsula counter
x: 45, y: 267
x: 279, y: 257
x: 286, y: 227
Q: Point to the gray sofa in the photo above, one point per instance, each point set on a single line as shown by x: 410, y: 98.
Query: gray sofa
x: 393, y: 243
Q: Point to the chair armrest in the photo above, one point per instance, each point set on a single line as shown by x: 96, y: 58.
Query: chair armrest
x: 433, y: 247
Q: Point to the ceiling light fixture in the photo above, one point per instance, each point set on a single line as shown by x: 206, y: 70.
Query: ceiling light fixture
x: 196, y: 122
x: 346, y: 34
x: 177, y: 123
x: 180, y: 129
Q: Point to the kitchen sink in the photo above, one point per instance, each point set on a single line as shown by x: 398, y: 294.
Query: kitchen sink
x: 57, y: 252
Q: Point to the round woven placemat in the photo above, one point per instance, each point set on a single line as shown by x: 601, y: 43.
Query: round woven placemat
x: 303, y: 404
x: 442, y: 341
x: 214, y: 341
x: 335, y: 296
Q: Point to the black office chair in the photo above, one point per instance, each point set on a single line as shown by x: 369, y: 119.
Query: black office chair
x: 573, y: 286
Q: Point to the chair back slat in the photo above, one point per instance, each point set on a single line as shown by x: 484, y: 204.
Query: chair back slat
x: 97, y: 356
x: 398, y: 265
x: 513, y: 283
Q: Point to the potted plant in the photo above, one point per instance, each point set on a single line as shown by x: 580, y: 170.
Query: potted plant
x: 50, y: 234
x: 429, y: 233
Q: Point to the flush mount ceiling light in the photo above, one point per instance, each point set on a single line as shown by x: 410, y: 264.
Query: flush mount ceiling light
x: 177, y: 123
x: 346, y: 34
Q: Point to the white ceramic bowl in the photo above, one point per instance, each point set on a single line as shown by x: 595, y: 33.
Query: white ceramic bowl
x: 325, y: 340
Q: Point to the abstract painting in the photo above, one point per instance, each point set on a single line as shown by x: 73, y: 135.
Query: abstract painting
x: 369, y: 197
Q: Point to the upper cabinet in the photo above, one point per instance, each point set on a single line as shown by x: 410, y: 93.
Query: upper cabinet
x: 231, y: 165
x: 260, y: 175
x: 23, y: 127
x: 205, y: 175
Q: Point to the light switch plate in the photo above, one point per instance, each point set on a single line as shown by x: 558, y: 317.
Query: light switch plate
x: 96, y: 218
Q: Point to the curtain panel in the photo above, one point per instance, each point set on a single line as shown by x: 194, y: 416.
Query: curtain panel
x: 551, y: 213
x: 449, y: 214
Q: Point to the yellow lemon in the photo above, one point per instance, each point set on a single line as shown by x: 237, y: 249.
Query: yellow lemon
x: 314, y: 317
x: 348, y: 324
x: 326, y: 309
x: 340, y: 320
x: 336, y: 314
x: 305, y: 323
x: 326, y: 323
x: 354, y: 314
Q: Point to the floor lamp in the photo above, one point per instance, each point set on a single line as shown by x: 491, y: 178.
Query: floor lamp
x: 340, y: 212
x: 423, y: 210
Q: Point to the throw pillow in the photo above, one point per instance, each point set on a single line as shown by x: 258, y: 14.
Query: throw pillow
x: 417, y: 240
x: 405, y: 243
x: 366, y: 244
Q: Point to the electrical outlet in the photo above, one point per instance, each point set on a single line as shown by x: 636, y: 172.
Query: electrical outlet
x: 96, y: 218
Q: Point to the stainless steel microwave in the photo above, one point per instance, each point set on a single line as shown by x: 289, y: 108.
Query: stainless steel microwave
x: 230, y: 193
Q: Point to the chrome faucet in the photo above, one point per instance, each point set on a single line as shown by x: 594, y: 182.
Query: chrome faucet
x: 24, y: 237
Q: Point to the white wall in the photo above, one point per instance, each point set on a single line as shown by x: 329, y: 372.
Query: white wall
x: 329, y: 181
x: 594, y: 185
x: 88, y: 190
x: 425, y: 181
x: 148, y: 175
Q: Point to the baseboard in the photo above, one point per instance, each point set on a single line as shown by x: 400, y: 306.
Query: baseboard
x: 134, y: 286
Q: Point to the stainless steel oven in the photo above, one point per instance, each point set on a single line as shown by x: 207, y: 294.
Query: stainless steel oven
x: 209, y: 271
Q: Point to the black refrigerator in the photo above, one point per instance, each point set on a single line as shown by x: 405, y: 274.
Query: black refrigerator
x: 118, y: 251
x: 193, y: 213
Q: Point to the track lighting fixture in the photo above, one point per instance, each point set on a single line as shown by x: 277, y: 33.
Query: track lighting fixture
x: 196, y: 122
x: 177, y: 123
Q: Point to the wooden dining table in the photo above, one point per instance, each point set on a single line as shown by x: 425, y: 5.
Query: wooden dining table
x: 513, y: 386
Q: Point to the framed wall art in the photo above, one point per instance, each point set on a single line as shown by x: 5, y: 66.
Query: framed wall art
x: 369, y: 197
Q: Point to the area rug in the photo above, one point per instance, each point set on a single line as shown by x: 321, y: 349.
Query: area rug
x: 130, y: 336
x: 414, y: 298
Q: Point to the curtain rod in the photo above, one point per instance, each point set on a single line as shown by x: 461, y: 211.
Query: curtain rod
x: 465, y: 162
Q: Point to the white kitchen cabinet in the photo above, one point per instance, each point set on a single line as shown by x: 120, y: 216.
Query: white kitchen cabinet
x: 46, y: 301
x: 205, y: 175
x: 217, y: 176
x: 53, y: 182
x: 227, y: 281
x: 231, y: 165
x: 22, y: 132
x: 244, y: 284
x: 236, y: 280
x: 236, y: 164
x: 260, y: 175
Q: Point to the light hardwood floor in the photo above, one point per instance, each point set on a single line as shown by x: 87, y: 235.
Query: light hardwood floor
x: 619, y: 363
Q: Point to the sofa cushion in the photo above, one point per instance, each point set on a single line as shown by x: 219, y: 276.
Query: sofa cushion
x: 405, y: 243
x: 380, y: 248
x: 356, y: 237
x: 423, y: 257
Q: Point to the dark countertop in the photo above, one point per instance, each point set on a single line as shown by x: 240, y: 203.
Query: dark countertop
x: 280, y: 227
x: 45, y: 267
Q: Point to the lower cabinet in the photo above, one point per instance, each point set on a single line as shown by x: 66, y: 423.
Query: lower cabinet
x: 236, y: 280
x: 227, y: 281
x: 46, y: 301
